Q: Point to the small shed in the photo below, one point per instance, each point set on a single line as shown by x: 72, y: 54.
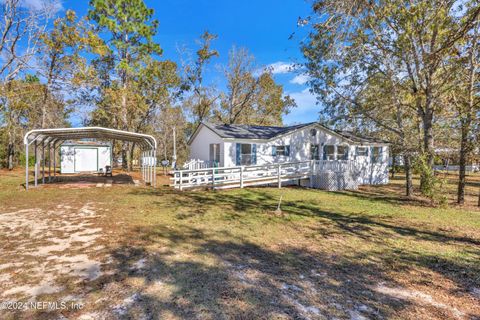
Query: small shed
x: 81, y: 157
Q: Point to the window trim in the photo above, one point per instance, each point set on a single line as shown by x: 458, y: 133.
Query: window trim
x: 315, y: 156
x: 344, y: 154
x: 285, y: 150
x: 378, y: 158
x: 361, y: 155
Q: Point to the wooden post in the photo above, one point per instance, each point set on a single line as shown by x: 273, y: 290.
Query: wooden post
x: 241, y: 177
x: 279, y: 176
x: 213, y: 178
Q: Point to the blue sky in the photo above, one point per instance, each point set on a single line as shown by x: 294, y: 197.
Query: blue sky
x: 261, y: 26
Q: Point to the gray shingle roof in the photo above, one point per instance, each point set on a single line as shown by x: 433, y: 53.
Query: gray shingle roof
x: 242, y: 131
x: 358, y: 138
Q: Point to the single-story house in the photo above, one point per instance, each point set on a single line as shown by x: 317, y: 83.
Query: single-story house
x: 84, y: 156
x: 227, y: 145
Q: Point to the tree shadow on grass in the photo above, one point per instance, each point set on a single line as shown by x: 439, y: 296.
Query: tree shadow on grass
x: 348, y: 279
x: 210, y: 278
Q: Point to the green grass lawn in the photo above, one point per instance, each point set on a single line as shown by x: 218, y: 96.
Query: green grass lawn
x: 228, y: 254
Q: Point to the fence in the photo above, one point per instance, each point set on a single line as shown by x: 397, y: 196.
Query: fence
x: 242, y: 176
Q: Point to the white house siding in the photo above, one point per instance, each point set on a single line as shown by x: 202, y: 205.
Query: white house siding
x: 299, y: 142
x: 372, y: 173
x: 67, y: 161
x: 200, y: 146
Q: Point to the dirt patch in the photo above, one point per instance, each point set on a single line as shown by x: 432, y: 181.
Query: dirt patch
x: 45, y: 245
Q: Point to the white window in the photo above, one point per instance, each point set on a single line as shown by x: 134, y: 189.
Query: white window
x: 314, y: 152
x: 342, y: 152
x: 377, y: 154
x: 329, y: 152
x: 246, y: 154
x: 281, y: 151
x: 361, y: 151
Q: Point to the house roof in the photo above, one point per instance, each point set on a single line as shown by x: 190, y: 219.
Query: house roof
x: 241, y: 131
x: 359, y: 138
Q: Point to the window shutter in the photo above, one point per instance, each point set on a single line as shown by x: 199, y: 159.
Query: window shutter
x: 254, y: 154
x: 274, y: 151
x: 324, y: 153
x: 217, y: 153
x: 238, y: 154
x: 287, y: 151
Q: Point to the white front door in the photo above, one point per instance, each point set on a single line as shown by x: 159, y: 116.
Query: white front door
x: 86, y: 159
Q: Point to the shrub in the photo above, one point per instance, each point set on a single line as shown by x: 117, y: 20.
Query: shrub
x: 432, y: 186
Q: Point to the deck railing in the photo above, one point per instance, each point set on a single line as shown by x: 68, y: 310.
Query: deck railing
x: 241, y: 176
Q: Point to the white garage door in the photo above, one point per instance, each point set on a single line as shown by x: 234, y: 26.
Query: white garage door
x: 86, y: 159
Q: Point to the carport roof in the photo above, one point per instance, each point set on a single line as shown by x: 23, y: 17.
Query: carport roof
x: 144, y: 140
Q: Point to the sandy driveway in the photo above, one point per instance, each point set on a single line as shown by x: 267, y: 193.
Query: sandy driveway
x: 46, y: 252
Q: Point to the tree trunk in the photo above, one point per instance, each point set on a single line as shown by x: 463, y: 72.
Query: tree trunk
x: 408, y: 175
x: 124, y: 127
x: 131, y: 155
x: 428, y: 143
x: 11, y: 153
x: 394, y: 163
x: 462, y: 164
x: 478, y: 198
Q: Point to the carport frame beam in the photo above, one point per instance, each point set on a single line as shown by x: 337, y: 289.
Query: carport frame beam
x: 52, y: 136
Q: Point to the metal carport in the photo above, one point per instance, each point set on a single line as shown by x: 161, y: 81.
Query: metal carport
x: 51, y: 138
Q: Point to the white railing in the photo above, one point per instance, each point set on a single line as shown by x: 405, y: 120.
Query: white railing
x: 333, y: 165
x: 195, y: 164
x: 241, y: 176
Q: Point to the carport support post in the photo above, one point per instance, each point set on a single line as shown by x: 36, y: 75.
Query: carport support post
x: 26, y: 166
x: 36, y: 165
x: 50, y: 162
x: 54, y: 160
x: 43, y: 162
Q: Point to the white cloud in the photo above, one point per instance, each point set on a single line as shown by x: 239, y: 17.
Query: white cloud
x: 280, y: 67
x: 307, y: 109
x: 40, y: 5
x: 300, y: 79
